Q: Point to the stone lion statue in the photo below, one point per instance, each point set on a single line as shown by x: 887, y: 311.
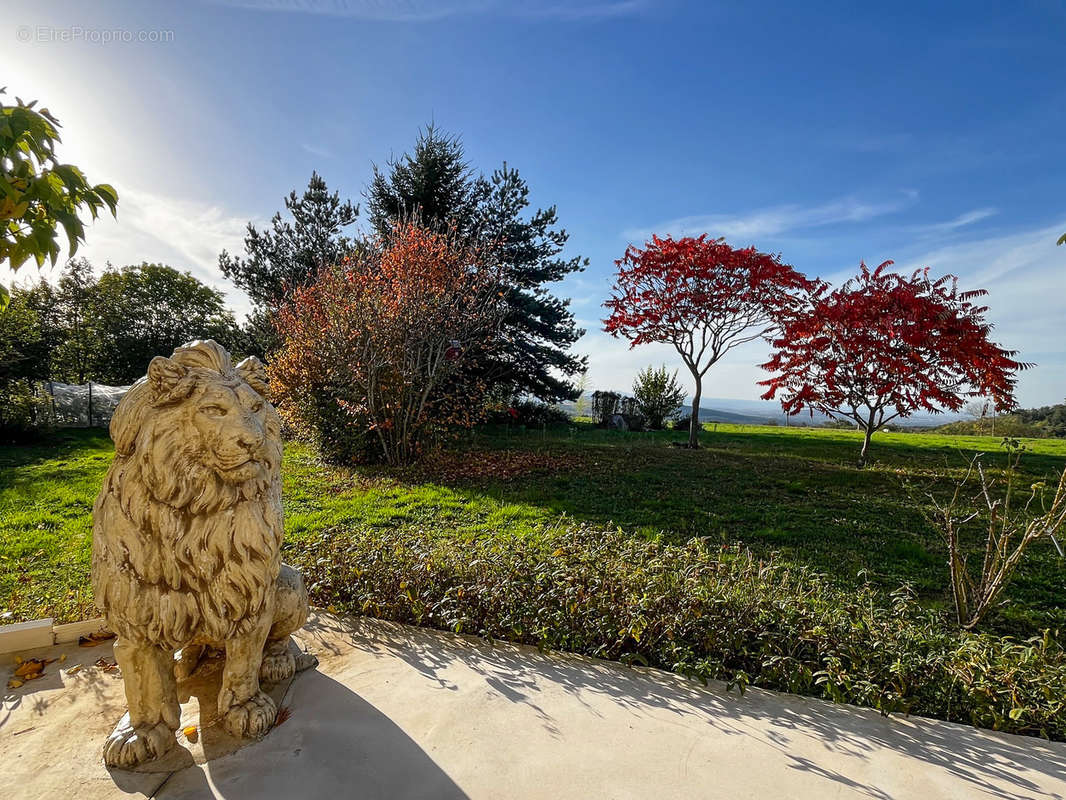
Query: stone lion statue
x: 186, y: 547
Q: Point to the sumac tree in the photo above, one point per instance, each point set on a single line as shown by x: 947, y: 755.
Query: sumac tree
x: 883, y: 346
x: 701, y: 296
x: 373, y: 350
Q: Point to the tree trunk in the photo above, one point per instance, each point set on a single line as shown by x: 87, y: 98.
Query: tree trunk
x: 866, y: 444
x: 694, y: 423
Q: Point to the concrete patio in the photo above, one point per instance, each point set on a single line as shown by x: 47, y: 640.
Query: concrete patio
x: 400, y: 712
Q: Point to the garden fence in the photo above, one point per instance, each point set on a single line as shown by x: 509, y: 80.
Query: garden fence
x: 84, y: 405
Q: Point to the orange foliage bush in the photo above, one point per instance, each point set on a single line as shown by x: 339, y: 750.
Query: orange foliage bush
x: 374, y: 354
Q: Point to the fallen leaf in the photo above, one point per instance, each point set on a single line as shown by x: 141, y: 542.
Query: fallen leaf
x: 74, y: 670
x: 32, y: 668
x: 93, y: 639
x: 189, y: 731
x: 105, y: 665
x: 62, y: 658
x: 14, y: 683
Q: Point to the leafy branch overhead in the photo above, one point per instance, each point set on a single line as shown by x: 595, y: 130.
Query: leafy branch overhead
x: 38, y: 194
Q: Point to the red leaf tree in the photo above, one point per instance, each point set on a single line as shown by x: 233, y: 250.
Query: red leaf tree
x: 883, y: 346
x: 701, y: 296
x: 374, y: 351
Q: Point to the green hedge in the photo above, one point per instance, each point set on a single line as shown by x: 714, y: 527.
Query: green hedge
x: 699, y: 610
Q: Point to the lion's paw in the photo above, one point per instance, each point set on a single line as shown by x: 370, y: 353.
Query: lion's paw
x: 305, y: 661
x: 251, y: 719
x: 129, y: 746
x: 277, y: 667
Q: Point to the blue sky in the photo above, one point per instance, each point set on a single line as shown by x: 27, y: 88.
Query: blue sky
x: 929, y: 133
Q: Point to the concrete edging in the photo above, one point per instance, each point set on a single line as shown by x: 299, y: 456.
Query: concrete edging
x: 44, y: 633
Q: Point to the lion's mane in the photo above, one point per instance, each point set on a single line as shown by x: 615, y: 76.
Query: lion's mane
x: 179, y: 555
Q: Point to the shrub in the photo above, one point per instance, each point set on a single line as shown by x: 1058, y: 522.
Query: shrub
x: 531, y: 413
x: 658, y: 396
x: 377, y: 345
x: 26, y: 411
x: 1006, y: 516
x: 702, y: 611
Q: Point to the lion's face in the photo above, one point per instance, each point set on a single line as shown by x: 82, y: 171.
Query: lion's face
x: 233, y: 425
x: 200, y: 430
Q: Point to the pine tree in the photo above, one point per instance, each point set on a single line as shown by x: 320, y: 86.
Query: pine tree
x: 288, y: 255
x: 433, y: 186
x: 436, y: 186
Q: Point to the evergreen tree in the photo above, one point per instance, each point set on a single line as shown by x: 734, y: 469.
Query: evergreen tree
x: 436, y: 186
x: 433, y: 186
x: 288, y: 255
x: 78, y: 347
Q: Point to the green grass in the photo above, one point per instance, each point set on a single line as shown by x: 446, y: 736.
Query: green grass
x: 794, y: 491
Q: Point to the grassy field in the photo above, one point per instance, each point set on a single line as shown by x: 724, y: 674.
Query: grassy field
x: 794, y: 492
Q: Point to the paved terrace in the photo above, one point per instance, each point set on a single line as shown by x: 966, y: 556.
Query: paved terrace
x: 399, y: 712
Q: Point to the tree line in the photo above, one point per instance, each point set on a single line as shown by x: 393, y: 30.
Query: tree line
x: 443, y: 307
x: 107, y: 328
x: 103, y: 328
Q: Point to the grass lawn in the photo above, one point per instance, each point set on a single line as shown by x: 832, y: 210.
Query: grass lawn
x: 795, y: 492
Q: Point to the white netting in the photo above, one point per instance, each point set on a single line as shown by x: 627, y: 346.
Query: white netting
x: 83, y: 405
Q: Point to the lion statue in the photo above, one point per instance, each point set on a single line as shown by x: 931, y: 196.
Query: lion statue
x: 186, y: 547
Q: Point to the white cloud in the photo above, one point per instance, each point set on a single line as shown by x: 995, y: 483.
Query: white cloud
x: 184, y: 234
x: 776, y: 219
x: 581, y: 10
x: 316, y: 150
x: 1025, y: 274
x: 432, y: 10
x: 961, y: 221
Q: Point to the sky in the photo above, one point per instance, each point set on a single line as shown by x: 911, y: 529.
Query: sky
x: 927, y: 133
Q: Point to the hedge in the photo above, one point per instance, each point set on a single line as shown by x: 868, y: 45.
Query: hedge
x: 702, y: 610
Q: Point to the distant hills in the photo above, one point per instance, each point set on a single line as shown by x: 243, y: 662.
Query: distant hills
x: 764, y: 412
